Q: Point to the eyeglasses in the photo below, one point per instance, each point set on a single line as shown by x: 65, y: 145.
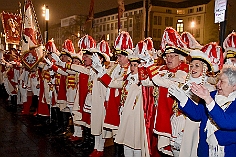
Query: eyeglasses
x: 170, y: 56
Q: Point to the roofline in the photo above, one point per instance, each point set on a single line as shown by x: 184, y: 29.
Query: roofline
x: 128, y: 7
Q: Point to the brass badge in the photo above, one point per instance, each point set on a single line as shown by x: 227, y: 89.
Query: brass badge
x: 185, y: 87
x: 170, y: 75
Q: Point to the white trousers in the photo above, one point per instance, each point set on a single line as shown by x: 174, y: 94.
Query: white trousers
x: 99, y: 143
x: 78, y: 131
x: 77, y: 128
x: 130, y: 152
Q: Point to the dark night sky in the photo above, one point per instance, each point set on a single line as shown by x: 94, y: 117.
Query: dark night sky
x: 63, y: 8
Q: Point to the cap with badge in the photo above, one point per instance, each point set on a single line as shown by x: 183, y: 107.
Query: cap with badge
x: 229, y: 45
x: 86, y: 43
x: 122, y: 43
x: 173, y: 43
x: 67, y: 48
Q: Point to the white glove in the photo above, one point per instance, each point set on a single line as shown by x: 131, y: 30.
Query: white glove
x: 58, y: 60
x: 212, y: 141
x: 48, y: 62
x: 178, y: 93
x: 98, y: 67
x: 146, y: 58
x: 149, y: 62
x: 95, y: 59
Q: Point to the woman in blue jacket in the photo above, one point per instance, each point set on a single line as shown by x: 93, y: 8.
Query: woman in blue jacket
x: 216, y: 113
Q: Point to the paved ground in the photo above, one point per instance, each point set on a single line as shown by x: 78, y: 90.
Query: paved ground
x: 21, y: 136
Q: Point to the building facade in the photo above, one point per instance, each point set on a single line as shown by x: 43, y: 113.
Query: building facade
x: 196, y: 17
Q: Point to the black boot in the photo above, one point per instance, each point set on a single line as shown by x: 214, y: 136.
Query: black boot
x: 34, y: 104
x: 119, y: 150
x: 55, y: 122
x: 13, y: 106
x: 88, y: 140
x: 65, y: 122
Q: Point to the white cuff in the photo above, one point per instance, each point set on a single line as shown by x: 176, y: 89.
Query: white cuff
x: 100, y: 74
x: 210, y: 106
x: 183, y: 102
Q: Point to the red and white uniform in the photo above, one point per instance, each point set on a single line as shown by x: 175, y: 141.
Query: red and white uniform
x: 47, y: 89
x: 112, y: 101
x: 11, y: 76
x: 132, y: 129
x: 60, y: 84
x: 165, y: 115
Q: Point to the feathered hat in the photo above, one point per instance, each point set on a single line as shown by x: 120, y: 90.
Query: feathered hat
x: 215, y: 54
x: 199, y: 55
x: 173, y: 43
x: 50, y: 47
x: 190, y: 41
x: 86, y: 43
x: 229, y: 45
x: 77, y: 56
x: 122, y: 43
x: 105, y: 50
x: 67, y: 48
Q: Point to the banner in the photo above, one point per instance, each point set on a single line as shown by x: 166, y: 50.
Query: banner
x: 32, y: 57
x: 89, y: 20
x: 121, y: 10
x: 32, y: 41
x: 12, y: 27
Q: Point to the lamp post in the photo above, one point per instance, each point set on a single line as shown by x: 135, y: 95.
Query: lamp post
x: 192, y: 25
x: 46, y: 15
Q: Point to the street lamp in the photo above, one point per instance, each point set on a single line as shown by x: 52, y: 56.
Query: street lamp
x: 192, y: 26
x: 46, y: 15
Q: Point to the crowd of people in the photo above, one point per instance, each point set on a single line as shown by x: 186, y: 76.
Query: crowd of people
x: 176, y: 101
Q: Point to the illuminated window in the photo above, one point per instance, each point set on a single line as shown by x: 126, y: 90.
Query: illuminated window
x: 180, y: 26
x: 108, y: 37
x: 180, y: 12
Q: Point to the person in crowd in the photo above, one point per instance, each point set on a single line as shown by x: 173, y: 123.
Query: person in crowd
x: 123, y: 46
x: 216, y: 114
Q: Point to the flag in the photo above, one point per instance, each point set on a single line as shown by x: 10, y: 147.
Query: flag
x: 32, y: 42
x: 12, y: 27
x: 89, y: 20
x: 121, y: 10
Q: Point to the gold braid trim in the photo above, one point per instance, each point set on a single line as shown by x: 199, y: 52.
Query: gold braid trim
x: 112, y: 69
x: 135, y: 102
